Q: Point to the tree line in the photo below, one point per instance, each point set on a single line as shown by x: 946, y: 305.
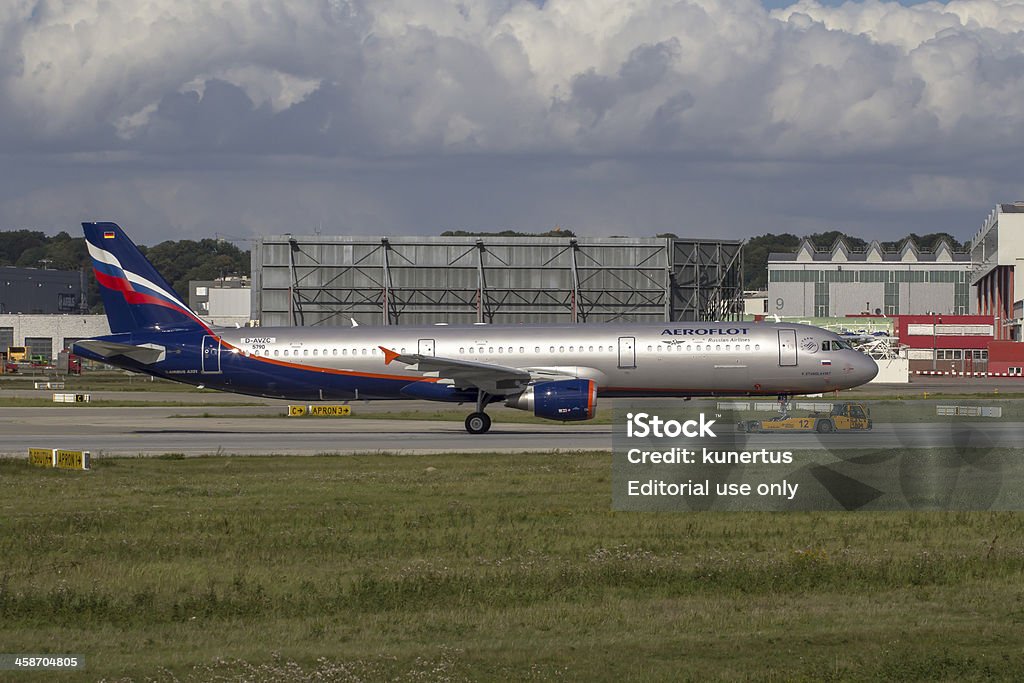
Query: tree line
x: 178, y: 261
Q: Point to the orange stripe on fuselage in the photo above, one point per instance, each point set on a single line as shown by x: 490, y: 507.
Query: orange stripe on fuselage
x: 331, y: 371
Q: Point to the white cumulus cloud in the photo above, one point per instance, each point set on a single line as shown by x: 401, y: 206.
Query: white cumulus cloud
x: 930, y: 88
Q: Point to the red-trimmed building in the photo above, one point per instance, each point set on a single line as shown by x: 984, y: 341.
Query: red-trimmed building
x: 1006, y: 359
x: 946, y: 343
x: 996, y: 278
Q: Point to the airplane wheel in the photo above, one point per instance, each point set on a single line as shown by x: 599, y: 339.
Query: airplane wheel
x: 824, y: 427
x: 478, y: 423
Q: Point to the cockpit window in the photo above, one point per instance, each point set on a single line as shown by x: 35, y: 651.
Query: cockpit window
x: 835, y: 345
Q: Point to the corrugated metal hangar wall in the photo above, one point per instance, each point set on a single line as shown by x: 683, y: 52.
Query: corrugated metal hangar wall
x: 325, y: 280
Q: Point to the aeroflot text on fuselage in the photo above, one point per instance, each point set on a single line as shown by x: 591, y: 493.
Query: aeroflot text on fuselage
x: 642, y: 425
x: 706, y: 330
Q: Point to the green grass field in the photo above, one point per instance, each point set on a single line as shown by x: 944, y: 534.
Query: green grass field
x: 97, y: 381
x: 483, y: 567
x: 112, y: 403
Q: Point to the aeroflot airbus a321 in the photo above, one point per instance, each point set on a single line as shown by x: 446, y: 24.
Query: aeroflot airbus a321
x: 554, y: 371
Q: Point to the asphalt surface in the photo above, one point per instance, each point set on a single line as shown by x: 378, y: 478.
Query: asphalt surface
x: 240, y: 430
x: 204, y: 428
x: 155, y: 431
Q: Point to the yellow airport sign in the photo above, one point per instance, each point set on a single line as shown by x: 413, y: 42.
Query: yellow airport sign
x: 319, y: 411
x: 332, y: 411
x: 40, y: 457
x: 72, y: 398
x: 71, y: 460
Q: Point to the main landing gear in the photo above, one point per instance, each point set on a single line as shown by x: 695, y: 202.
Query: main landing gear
x: 479, y: 422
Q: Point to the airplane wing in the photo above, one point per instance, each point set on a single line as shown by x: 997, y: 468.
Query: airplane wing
x: 492, y: 378
x: 141, y: 353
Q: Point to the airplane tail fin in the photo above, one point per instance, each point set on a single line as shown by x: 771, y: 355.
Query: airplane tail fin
x: 135, y: 296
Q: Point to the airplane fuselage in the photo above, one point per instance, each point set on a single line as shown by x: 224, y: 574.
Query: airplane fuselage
x: 557, y: 372
x: 665, y: 359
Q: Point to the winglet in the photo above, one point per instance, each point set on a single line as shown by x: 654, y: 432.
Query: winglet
x: 389, y: 355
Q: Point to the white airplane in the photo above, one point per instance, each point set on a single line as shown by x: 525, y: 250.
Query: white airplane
x: 556, y: 372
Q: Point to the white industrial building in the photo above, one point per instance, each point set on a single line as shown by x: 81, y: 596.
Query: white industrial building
x: 225, y: 302
x: 48, y: 335
x: 840, y: 282
x: 995, y: 250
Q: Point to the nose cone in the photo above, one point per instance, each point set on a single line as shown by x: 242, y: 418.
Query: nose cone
x: 865, y: 369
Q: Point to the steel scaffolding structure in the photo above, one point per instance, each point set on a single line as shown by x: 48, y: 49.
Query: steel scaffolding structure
x: 328, y: 280
x: 707, y: 280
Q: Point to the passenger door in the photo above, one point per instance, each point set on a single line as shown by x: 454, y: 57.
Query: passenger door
x: 211, y: 355
x: 787, y: 347
x: 627, y: 352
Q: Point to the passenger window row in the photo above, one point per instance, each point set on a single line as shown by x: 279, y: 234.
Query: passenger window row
x: 701, y: 348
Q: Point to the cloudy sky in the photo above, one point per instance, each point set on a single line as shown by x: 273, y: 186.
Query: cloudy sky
x: 703, y: 117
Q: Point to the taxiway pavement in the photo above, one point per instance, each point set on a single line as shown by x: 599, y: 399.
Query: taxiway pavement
x: 262, y: 430
x: 148, y: 431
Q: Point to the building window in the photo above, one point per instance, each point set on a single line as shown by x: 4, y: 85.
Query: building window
x: 821, y: 300
x: 39, y: 348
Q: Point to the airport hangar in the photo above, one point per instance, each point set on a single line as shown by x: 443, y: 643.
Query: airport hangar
x: 331, y: 280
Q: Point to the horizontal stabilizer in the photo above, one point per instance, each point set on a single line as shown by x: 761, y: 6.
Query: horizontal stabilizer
x: 140, y: 353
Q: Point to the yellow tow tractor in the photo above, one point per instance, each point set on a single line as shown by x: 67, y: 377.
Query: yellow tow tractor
x: 843, y: 417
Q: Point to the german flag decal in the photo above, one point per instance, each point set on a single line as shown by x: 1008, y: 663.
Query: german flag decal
x: 108, y: 235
